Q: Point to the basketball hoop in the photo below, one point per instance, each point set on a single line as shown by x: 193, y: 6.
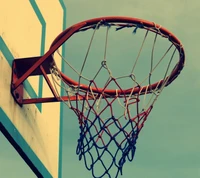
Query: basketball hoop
x: 110, y: 115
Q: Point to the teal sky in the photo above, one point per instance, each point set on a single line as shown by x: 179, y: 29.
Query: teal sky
x: 169, y: 145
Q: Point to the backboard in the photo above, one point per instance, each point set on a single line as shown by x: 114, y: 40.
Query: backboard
x: 27, y: 29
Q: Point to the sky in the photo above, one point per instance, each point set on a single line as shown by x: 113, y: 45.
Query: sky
x: 168, y: 145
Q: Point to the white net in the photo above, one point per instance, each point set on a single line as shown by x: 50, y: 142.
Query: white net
x: 115, y: 72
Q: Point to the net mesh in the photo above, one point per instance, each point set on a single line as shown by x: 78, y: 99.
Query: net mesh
x: 110, y: 123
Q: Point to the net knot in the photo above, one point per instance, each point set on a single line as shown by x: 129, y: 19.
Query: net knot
x: 138, y: 26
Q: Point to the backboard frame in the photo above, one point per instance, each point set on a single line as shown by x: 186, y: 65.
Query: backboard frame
x: 8, y: 52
